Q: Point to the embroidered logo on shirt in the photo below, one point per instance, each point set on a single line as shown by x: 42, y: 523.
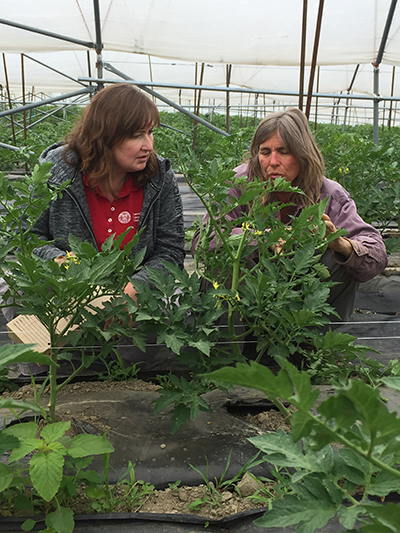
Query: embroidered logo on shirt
x: 124, y: 217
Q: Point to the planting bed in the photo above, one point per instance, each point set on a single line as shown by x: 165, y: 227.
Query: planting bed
x: 144, y: 438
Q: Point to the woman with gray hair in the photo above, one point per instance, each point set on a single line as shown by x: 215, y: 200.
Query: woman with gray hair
x: 283, y: 146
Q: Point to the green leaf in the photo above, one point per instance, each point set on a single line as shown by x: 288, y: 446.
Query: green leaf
x: 377, y: 528
x: 353, y: 459
x: 84, y: 445
x: 202, y: 345
x: 383, y: 484
x: 392, y: 382
x: 62, y: 520
x: 281, y: 450
x: 55, y: 431
x: 305, y: 395
x: 255, y: 376
x: 7, y: 442
x: 301, y: 424
x: 361, y: 403
x: 309, y: 515
x: 19, y: 405
x: 46, y: 472
x: 28, y: 525
x: 21, y: 353
x: 26, y: 446
x: 180, y: 416
x: 26, y: 430
x: 23, y: 503
x: 389, y: 514
x: 172, y: 341
x: 6, y: 476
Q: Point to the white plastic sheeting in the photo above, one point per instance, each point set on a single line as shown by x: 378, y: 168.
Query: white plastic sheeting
x: 260, y: 38
x: 249, y: 32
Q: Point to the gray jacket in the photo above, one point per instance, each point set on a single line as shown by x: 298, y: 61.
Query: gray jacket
x: 161, y: 215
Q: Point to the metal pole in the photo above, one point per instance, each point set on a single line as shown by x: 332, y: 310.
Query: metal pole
x: 32, y: 105
x: 87, y: 44
x: 57, y: 71
x: 295, y: 94
x: 391, y: 94
x: 255, y: 109
x: 197, y: 104
x: 23, y: 90
x: 376, y: 105
x: 9, y: 98
x: 99, y: 43
x: 376, y: 68
x: 151, y: 72
x: 109, y: 67
x: 228, y: 81
x: 303, y: 54
x: 386, y: 32
x: 316, y: 100
x: 353, y: 79
x: 314, y: 57
x: 195, y: 91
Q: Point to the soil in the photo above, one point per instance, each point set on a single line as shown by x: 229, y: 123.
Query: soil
x: 211, y: 502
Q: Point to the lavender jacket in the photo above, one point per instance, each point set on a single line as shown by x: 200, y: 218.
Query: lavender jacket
x: 369, y: 253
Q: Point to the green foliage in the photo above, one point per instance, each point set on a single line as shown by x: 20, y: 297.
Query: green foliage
x: 45, y: 125
x: 281, y: 300
x: 371, y: 173
x: 14, y: 353
x: 213, y: 490
x: 40, y: 479
x: 63, y: 298
x: 325, y: 477
x: 116, y: 371
x: 106, y: 498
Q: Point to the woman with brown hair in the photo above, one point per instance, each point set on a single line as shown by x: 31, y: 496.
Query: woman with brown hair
x: 117, y: 182
x: 283, y: 146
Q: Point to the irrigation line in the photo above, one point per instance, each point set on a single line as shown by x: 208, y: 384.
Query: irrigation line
x: 367, y: 322
x: 243, y: 342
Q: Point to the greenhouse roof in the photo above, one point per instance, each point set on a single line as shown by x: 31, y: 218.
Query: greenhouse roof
x: 163, y: 42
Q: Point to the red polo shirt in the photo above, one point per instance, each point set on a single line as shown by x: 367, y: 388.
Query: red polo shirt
x: 117, y: 216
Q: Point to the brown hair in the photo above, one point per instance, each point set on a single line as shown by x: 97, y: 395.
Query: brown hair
x: 293, y: 129
x: 114, y: 115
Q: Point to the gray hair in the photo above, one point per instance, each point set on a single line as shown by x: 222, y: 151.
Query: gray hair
x: 294, y: 131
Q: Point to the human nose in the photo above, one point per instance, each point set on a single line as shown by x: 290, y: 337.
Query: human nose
x: 274, y: 159
x: 148, y: 142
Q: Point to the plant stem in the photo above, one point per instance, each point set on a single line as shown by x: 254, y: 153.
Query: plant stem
x: 214, y: 222
x: 53, y: 372
x: 337, y: 437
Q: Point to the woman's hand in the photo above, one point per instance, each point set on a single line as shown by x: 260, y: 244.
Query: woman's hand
x: 60, y: 259
x: 340, y: 245
x: 131, y: 291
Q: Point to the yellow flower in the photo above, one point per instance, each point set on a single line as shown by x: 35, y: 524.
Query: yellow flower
x: 246, y: 225
x: 237, y: 297
x: 258, y: 232
x: 340, y: 170
x: 215, y: 285
x: 70, y: 257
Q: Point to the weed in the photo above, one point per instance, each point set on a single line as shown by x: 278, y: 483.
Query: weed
x: 213, y: 490
x: 127, y: 492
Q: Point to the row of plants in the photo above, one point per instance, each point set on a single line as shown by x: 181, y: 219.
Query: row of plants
x: 369, y: 172
x: 282, y: 303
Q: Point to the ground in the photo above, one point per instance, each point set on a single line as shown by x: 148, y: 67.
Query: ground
x: 211, y: 503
